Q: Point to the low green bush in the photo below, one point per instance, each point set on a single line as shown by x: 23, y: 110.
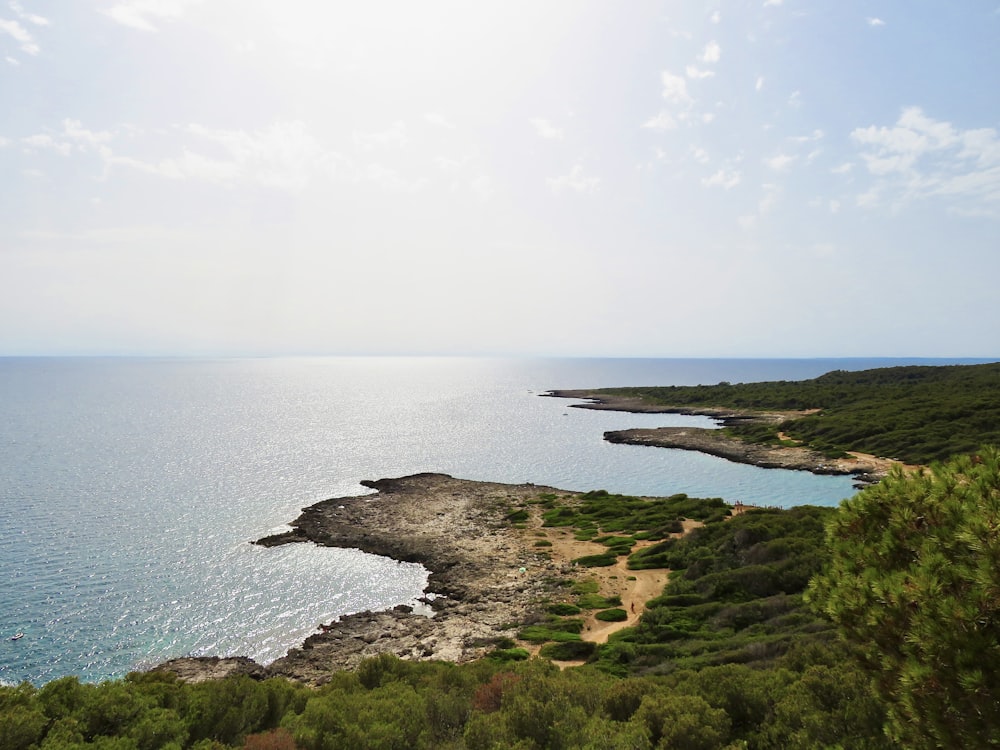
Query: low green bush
x: 564, y: 608
x: 605, y: 560
x: 508, y: 654
x: 612, y: 615
x: 568, y: 651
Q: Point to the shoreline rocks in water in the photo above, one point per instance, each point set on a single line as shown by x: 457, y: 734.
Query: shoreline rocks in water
x: 866, y: 469
x: 455, y: 528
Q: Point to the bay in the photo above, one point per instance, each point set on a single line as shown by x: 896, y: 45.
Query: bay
x: 131, y: 488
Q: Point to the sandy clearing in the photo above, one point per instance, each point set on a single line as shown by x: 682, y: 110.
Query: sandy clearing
x: 634, y: 587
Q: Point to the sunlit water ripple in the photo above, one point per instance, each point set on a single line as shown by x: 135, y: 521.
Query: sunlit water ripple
x: 130, y: 488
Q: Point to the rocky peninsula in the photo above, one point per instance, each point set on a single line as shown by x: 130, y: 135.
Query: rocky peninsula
x: 485, y: 577
x: 867, y: 469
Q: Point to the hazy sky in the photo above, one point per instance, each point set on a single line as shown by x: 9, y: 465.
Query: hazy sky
x: 765, y: 178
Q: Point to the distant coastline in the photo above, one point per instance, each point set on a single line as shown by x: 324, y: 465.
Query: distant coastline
x: 865, y: 468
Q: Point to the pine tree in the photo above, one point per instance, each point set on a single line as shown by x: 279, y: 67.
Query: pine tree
x: 914, y: 584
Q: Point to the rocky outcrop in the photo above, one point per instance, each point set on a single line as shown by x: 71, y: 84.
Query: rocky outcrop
x: 717, y: 443
x: 484, y: 578
x: 202, y: 668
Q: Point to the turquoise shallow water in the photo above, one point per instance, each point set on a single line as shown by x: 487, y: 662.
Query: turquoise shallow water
x: 129, y: 489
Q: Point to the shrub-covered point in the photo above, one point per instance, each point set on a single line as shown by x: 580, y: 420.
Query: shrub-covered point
x: 916, y: 414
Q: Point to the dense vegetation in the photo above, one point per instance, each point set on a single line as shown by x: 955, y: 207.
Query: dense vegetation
x: 916, y: 414
x: 914, y: 583
x: 397, y: 705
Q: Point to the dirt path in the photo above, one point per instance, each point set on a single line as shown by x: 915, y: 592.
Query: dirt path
x: 633, y: 587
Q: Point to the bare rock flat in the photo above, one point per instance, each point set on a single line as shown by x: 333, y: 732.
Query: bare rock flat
x: 484, y: 577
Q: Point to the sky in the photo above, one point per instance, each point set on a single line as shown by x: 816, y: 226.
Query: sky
x: 772, y: 178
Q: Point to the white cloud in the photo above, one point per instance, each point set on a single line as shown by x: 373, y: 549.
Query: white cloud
x: 795, y: 99
x: 74, y: 130
x: 576, y: 180
x: 834, y: 206
x: 779, y: 162
x: 724, y: 179
x: 4, y: 141
x: 446, y: 164
x: 395, y: 136
x: 712, y: 52
x: 440, y: 120
x: 768, y: 3
x: 546, y: 129
x: 875, y: 22
x: 816, y: 135
x: 674, y: 88
x: 285, y: 156
x: 20, y: 35
x: 389, y: 179
x: 759, y: 84
x: 769, y: 200
x: 661, y: 121
x: 693, y: 72
x: 73, y: 134
x: 482, y: 187
x: 813, y: 155
x: 12, y: 61
x: 715, y: 17
x: 844, y: 168
x: 44, y: 141
x: 143, y: 14
x: 700, y: 155
x: 25, y: 16
x: 920, y: 157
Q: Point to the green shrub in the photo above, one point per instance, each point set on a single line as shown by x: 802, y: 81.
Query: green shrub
x: 612, y: 615
x: 597, y: 561
x: 508, y: 654
x: 568, y: 651
x: 564, y: 608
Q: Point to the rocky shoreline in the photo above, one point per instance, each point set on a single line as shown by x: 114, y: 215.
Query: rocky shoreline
x: 484, y: 576
x: 866, y: 469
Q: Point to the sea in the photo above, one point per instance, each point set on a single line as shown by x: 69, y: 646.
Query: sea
x: 131, y: 489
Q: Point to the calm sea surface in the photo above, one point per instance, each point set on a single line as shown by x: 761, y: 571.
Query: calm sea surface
x: 130, y: 488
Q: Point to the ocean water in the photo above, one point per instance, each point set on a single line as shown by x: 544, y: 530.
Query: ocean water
x: 131, y: 488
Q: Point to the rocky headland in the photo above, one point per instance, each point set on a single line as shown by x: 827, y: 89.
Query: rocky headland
x: 866, y: 469
x: 484, y: 577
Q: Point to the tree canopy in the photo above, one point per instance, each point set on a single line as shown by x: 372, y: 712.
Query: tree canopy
x: 914, y: 583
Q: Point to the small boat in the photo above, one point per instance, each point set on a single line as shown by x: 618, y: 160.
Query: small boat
x: 17, y: 636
